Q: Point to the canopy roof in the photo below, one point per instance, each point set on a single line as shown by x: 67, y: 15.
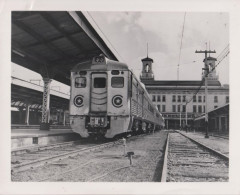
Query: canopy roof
x: 51, y: 43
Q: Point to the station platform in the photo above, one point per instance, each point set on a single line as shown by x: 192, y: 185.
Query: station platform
x: 24, y: 137
x: 217, y: 143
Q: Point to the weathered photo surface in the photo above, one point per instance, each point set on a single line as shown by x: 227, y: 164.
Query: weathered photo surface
x: 119, y: 98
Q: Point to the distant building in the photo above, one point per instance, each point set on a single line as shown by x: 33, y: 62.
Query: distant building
x: 170, y: 96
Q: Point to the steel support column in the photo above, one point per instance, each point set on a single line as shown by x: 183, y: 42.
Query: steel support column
x: 220, y: 124
x: 215, y: 124
x: 45, y: 125
x: 64, y: 118
x: 27, y: 113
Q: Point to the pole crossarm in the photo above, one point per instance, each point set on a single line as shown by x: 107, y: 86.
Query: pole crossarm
x: 205, y: 51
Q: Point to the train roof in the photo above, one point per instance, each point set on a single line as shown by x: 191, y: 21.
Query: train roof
x: 100, y: 63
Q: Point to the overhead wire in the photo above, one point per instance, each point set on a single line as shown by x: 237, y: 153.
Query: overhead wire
x: 203, y: 79
x: 181, y: 46
x: 227, y: 47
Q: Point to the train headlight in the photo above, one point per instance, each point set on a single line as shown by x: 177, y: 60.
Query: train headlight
x: 117, y: 101
x: 78, y: 101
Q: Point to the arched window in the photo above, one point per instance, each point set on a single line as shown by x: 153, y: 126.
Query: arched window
x: 147, y: 68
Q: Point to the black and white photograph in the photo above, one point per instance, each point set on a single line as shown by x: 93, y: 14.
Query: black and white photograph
x: 114, y: 100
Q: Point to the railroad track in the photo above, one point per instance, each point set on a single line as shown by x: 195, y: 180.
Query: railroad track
x: 187, y: 160
x: 29, y: 158
x: 94, y: 160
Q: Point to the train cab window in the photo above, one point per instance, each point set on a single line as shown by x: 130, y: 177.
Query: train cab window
x: 80, y: 82
x: 99, y: 82
x: 117, y: 82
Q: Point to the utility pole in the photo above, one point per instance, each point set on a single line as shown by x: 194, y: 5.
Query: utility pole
x: 180, y: 118
x: 206, y: 71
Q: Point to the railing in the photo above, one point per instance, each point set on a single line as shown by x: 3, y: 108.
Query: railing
x: 177, y: 115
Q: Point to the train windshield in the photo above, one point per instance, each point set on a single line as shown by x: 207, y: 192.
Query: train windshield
x: 99, y: 82
x: 117, y: 82
x: 80, y: 82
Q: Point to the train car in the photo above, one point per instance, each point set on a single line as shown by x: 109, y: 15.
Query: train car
x: 108, y: 100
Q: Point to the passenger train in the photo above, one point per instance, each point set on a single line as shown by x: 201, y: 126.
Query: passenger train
x: 108, y: 100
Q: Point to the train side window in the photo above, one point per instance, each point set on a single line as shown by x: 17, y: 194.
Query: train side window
x: 117, y: 82
x: 99, y: 82
x: 80, y: 82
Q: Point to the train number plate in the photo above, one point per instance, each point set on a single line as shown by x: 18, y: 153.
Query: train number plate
x: 98, y: 121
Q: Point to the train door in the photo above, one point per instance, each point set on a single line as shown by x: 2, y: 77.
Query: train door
x: 98, y: 92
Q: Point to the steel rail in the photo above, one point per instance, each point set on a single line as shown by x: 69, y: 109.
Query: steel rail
x: 165, y: 162
x: 219, y: 154
x: 46, y: 160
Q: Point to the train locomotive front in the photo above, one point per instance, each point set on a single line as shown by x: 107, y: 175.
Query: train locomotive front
x: 100, y: 102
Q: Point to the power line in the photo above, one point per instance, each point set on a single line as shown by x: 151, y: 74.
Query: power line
x: 223, y: 50
x: 105, y: 35
x: 203, y: 80
x: 225, y: 55
x: 181, y: 46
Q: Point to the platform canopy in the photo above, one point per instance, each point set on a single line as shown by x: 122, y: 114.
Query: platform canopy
x: 20, y: 94
x: 52, y: 42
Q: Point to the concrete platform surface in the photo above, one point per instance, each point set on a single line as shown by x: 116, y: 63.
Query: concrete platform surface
x: 37, y: 133
x: 216, y: 143
x: 31, y: 137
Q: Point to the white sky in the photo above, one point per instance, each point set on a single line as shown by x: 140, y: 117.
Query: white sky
x: 129, y: 33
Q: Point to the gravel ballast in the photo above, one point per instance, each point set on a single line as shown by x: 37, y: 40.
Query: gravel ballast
x: 108, y: 164
x: 187, y: 162
x: 216, y: 143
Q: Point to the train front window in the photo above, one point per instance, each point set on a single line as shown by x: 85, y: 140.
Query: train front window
x: 99, y: 82
x: 80, y: 82
x: 117, y: 82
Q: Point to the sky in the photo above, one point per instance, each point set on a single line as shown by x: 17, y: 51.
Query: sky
x: 127, y: 34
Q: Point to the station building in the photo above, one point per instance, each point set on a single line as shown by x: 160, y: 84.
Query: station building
x: 176, y: 101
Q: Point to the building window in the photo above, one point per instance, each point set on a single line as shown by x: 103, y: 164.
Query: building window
x: 164, y: 98
x: 158, y: 98
x: 179, y: 98
x: 159, y: 108
x: 204, y: 109
x: 184, y: 98
x: 174, y: 98
x: 215, y: 107
x: 194, y: 99
x: 184, y: 108
x: 174, y: 108
x: 178, y: 108
x: 200, y: 109
x: 199, y: 98
x: 154, y: 98
x: 227, y: 99
x: 163, y: 108
x: 194, y: 108
x: 215, y: 99
x: 203, y: 98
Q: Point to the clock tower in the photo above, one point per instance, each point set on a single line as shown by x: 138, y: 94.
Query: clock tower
x: 147, y: 73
